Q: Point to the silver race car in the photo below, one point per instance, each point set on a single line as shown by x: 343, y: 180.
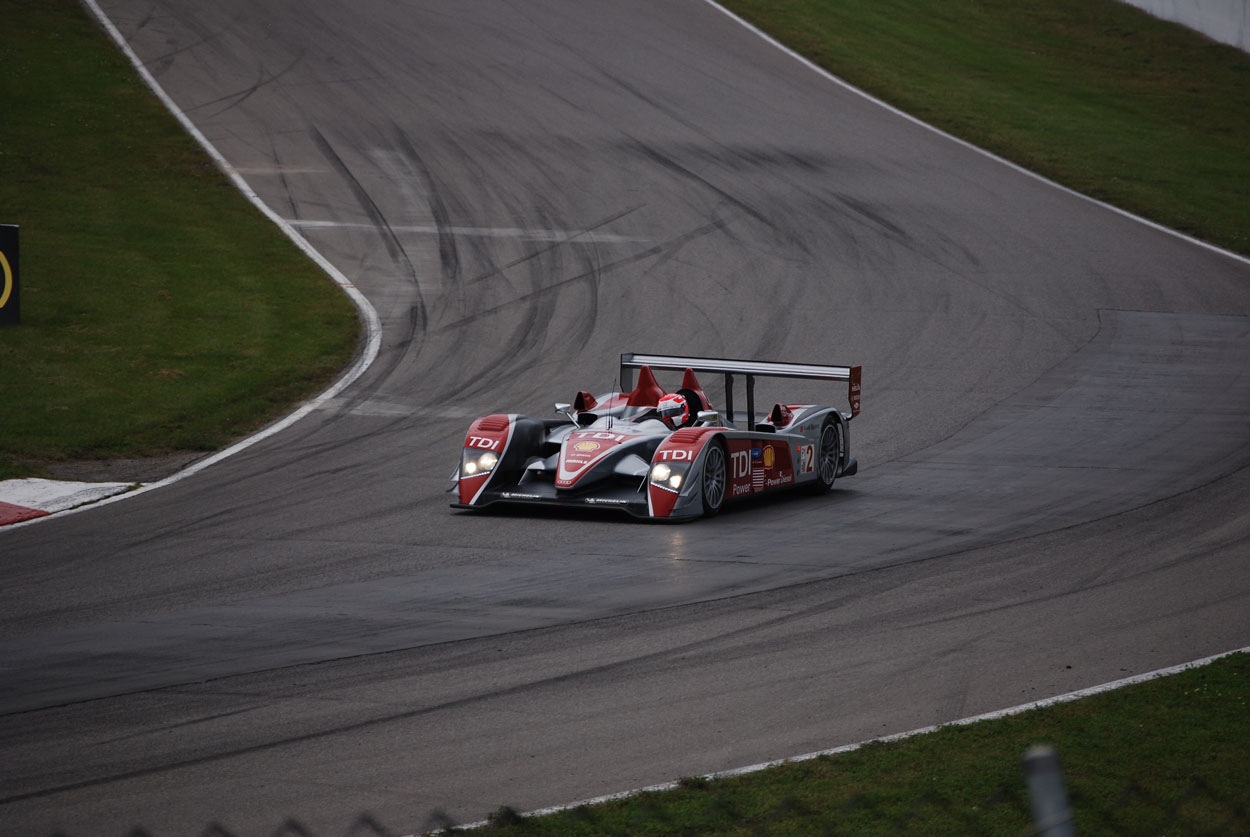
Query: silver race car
x: 660, y: 454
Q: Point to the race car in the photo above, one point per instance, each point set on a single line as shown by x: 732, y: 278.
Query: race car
x: 659, y: 454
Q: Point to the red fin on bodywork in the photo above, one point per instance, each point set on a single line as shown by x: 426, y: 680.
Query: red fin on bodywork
x: 690, y: 382
x: 780, y: 415
x: 648, y: 391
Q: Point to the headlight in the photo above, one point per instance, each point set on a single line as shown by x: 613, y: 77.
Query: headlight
x: 477, y: 462
x: 669, y: 476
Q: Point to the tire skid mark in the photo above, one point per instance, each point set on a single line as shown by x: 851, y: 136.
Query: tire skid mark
x: 581, y: 674
x: 389, y: 239
x: 654, y: 155
x: 448, y: 254
x: 593, y: 271
x: 238, y: 97
x: 643, y: 255
x: 487, y: 273
x: 417, y: 316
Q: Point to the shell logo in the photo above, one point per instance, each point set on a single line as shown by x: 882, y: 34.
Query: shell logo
x: 6, y: 287
x: 586, y: 447
x: 769, y: 456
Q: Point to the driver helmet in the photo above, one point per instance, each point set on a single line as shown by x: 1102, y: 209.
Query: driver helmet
x: 674, y: 410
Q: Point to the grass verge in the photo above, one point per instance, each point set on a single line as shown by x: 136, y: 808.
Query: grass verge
x: 1094, y: 94
x: 1165, y: 756
x: 161, y: 313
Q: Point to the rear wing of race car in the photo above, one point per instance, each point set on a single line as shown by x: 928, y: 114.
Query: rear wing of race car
x: 750, y: 369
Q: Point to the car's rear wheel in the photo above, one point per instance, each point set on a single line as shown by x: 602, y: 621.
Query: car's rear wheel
x: 829, y: 454
x: 715, y: 478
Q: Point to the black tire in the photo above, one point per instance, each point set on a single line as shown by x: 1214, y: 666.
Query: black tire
x: 715, y: 482
x: 828, y: 456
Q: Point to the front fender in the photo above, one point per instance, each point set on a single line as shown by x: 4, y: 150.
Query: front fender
x: 512, y: 438
x: 683, y: 446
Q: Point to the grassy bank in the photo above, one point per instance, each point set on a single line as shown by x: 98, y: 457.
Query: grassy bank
x: 1094, y: 94
x: 161, y: 312
x: 1163, y: 757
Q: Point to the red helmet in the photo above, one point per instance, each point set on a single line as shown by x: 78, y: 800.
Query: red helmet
x: 674, y: 409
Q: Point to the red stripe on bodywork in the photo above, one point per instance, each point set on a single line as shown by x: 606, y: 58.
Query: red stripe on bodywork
x: 487, y: 433
x: 855, y: 388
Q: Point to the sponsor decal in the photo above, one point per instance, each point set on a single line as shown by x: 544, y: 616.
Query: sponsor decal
x: 807, y: 458
x: 512, y: 495
x: 10, y: 291
x: 604, y: 501
x: 6, y: 289
x: 483, y: 442
x: 756, y: 453
x: 676, y: 455
x: 769, y: 456
x: 601, y: 435
x: 582, y: 450
x: 740, y: 464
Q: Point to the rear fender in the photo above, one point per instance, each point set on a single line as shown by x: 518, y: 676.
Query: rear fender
x: 808, y: 421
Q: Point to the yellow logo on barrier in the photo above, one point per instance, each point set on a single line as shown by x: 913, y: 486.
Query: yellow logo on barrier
x: 7, y: 288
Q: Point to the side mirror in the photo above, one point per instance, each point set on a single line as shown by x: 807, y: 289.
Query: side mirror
x: 708, y: 417
x: 566, y: 410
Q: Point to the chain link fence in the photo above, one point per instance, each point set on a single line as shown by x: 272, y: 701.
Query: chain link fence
x: 1040, y: 805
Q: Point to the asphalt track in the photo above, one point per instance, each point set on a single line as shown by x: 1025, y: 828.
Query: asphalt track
x: 1053, y: 448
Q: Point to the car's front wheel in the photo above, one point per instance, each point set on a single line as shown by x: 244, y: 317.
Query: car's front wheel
x: 715, y: 478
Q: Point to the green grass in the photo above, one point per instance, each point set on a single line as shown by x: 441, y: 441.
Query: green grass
x: 1094, y: 94
x: 1164, y: 757
x: 161, y: 312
